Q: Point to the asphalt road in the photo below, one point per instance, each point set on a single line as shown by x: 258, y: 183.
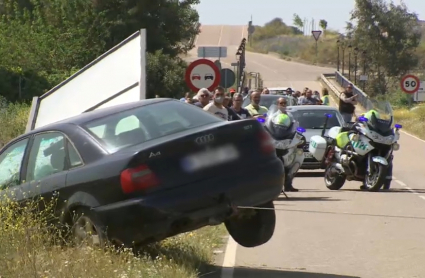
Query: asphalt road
x: 275, y: 72
x: 322, y: 233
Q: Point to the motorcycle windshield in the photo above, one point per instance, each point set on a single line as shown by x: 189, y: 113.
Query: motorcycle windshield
x: 280, y: 125
x: 380, y: 115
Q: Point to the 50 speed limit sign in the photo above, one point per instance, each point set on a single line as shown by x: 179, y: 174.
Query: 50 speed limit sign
x: 410, y: 84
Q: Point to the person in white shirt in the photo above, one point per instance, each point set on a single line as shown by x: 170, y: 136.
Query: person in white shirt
x: 216, y: 106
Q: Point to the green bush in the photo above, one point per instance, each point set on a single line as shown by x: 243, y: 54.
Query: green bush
x: 13, y: 119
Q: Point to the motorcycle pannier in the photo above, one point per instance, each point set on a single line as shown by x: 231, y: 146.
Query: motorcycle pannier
x: 317, y: 147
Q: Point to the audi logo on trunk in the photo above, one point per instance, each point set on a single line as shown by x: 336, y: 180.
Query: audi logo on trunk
x: 204, y: 139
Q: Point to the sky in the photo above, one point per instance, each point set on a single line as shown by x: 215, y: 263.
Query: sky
x: 239, y: 12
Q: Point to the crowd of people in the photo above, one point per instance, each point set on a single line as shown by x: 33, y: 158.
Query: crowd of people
x: 228, y: 106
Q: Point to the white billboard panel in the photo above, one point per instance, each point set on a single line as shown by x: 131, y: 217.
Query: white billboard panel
x: 117, y: 77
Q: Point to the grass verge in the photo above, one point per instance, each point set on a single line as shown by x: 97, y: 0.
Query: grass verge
x: 28, y: 250
x: 413, y: 120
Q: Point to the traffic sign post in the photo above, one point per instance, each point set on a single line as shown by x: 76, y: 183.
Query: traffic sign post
x: 410, y: 84
x: 228, y: 78
x: 212, y: 52
x: 218, y: 64
x: 316, y: 36
x: 202, y: 73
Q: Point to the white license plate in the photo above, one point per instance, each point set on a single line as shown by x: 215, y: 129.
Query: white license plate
x: 209, y: 158
x: 308, y: 155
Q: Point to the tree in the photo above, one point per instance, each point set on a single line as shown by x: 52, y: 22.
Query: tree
x: 169, y: 24
x: 389, y: 34
x: 165, y: 75
x: 324, y: 25
x: 298, y: 22
x: 42, y: 42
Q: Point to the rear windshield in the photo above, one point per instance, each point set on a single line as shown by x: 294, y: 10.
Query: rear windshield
x: 141, y: 124
x: 315, y: 119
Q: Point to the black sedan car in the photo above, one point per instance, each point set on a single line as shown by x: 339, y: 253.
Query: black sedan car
x: 147, y: 170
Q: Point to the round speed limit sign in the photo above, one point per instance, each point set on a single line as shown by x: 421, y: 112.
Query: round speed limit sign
x: 410, y: 84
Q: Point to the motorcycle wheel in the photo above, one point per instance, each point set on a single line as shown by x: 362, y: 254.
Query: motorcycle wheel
x: 376, y: 181
x: 333, y: 181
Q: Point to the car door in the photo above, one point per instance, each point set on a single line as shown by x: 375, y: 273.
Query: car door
x: 12, y: 167
x: 47, y: 164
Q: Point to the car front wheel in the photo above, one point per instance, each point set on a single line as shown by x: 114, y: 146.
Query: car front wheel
x: 253, y: 227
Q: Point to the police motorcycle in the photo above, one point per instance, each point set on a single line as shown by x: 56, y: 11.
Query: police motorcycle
x: 362, y: 151
x: 288, y: 140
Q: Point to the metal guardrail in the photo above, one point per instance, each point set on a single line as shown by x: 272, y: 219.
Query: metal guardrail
x: 335, y: 91
x: 362, y: 98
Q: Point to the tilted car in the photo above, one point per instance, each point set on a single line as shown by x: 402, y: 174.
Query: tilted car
x: 312, y: 119
x: 147, y: 170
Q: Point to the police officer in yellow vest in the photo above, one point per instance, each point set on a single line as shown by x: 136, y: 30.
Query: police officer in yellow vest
x: 325, y: 97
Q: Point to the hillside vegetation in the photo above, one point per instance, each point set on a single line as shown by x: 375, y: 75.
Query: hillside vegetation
x: 289, y: 41
x: 377, y: 30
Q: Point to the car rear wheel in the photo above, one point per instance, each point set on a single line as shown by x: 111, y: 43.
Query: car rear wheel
x: 253, y: 227
x: 87, y: 229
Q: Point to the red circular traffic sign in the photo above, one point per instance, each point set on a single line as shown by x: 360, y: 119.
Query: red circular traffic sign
x: 410, y: 84
x: 202, y: 73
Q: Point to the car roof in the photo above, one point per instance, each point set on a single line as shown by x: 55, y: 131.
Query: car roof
x: 313, y: 107
x: 278, y: 88
x: 99, y: 113
x: 275, y: 96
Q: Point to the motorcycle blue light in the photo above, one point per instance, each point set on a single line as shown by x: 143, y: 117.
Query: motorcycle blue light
x: 328, y: 115
x: 261, y: 120
x: 300, y: 129
x: 363, y: 119
x: 398, y: 126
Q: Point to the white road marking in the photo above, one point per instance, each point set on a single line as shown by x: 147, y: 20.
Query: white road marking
x: 229, y: 261
x: 411, y: 135
x: 221, y: 34
x: 270, y: 69
x: 408, y: 188
x: 401, y: 183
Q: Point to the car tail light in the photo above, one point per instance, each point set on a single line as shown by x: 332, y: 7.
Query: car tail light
x: 266, y: 141
x: 138, y: 178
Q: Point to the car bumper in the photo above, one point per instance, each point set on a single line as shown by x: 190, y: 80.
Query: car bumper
x: 311, y: 164
x: 163, y: 214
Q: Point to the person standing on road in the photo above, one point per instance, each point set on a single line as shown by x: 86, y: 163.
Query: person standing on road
x: 347, y: 102
x: 237, y: 107
x: 301, y: 97
x: 203, y: 97
x: 325, y: 97
x: 216, y: 106
x: 265, y: 91
x: 281, y: 104
x: 245, y: 92
x: 187, y: 95
x: 309, y: 99
x: 254, y: 108
x: 232, y: 115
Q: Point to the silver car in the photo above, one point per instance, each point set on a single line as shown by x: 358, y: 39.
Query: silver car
x: 312, y: 119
